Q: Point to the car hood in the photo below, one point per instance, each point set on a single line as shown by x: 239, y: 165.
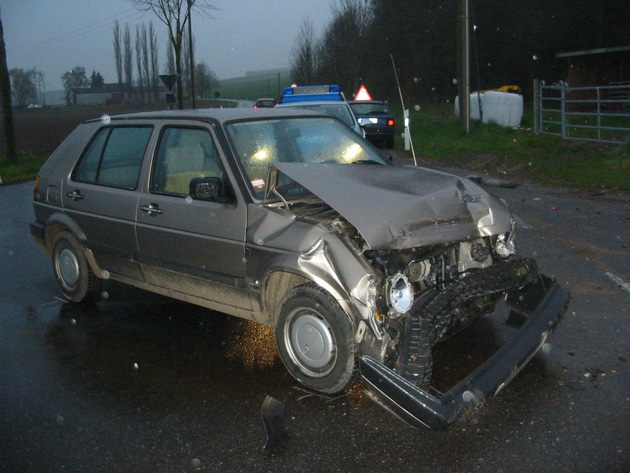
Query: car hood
x: 400, y: 207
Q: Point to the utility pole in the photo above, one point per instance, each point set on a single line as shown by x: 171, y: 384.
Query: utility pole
x: 192, y: 59
x: 7, y: 109
x: 464, y: 79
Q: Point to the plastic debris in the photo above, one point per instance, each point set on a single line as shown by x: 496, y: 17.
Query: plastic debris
x: 272, y: 412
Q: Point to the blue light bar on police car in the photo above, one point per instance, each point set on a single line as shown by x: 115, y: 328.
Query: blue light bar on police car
x: 309, y: 93
x: 312, y: 89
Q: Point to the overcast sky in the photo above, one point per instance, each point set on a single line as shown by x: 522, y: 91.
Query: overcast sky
x: 54, y: 36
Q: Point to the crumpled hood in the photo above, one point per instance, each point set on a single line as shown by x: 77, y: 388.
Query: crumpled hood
x: 395, y: 207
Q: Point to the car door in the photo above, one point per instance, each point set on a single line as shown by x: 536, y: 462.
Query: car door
x: 195, y: 247
x: 100, y: 196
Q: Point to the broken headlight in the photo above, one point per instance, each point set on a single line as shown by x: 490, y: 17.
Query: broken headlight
x: 505, y: 242
x: 400, y: 293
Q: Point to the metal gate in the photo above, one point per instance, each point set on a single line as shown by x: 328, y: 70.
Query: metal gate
x: 600, y: 114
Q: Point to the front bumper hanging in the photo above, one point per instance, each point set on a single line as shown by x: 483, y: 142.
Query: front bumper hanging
x: 421, y: 409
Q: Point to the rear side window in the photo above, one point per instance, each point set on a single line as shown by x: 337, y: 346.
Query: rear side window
x: 114, y: 157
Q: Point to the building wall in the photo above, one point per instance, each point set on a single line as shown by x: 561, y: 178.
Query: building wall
x: 598, y: 69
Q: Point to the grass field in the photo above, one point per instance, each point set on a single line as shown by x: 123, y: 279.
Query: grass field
x: 519, y: 153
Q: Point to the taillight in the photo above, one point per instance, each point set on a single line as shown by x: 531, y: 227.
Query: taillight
x: 36, y: 195
x: 390, y: 122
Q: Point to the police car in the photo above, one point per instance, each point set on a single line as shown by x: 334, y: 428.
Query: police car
x: 321, y: 98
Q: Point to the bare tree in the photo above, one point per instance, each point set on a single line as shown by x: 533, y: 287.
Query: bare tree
x: 40, y: 86
x: 128, y: 61
x: 174, y: 14
x: 349, y: 27
x: 23, y: 87
x: 118, y: 56
x: 155, y: 70
x: 205, y: 81
x: 169, y: 68
x: 304, y: 60
x: 7, y: 109
x: 74, y: 79
x: 145, y: 61
x: 139, y: 63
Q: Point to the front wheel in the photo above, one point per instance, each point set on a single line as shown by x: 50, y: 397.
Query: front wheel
x: 315, y: 340
x: 74, y: 276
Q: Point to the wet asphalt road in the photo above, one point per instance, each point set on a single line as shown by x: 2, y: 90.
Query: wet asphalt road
x: 140, y: 383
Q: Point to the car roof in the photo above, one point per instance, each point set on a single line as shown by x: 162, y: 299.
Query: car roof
x: 212, y: 114
x: 366, y: 101
x: 312, y: 103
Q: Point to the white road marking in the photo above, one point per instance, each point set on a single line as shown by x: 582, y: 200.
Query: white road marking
x: 620, y: 282
x: 520, y: 222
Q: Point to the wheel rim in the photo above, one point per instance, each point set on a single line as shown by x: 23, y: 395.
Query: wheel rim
x: 310, y: 342
x: 68, y: 268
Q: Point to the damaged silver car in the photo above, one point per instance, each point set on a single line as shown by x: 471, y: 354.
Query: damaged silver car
x: 291, y: 219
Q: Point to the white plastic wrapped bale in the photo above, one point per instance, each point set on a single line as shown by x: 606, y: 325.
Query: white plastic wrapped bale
x: 502, y: 108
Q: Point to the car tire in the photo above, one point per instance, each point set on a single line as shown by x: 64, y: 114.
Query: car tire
x: 315, y: 340
x: 389, y: 143
x: 74, y: 276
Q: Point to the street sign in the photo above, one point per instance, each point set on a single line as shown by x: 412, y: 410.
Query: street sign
x: 169, y: 81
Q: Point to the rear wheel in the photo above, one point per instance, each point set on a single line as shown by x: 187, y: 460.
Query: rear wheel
x: 75, y: 278
x: 315, y: 340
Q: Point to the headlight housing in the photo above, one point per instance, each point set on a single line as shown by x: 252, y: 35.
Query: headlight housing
x: 505, y: 242
x: 399, y: 293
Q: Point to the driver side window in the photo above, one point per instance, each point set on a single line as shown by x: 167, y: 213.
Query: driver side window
x: 183, y: 155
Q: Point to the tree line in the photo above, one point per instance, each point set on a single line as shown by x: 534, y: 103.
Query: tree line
x: 137, y: 68
x: 137, y: 71
x: 512, y: 42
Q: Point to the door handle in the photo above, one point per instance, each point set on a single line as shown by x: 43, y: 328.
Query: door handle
x: 151, y: 209
x: 75, y: 195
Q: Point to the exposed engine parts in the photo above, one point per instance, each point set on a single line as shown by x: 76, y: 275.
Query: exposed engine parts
x: 430, y: 294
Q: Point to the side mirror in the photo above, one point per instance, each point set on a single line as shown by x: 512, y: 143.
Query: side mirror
x: 206, y: 188
x: 387, y: 157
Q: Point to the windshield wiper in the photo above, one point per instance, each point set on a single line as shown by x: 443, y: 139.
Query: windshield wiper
x: 367, y: 161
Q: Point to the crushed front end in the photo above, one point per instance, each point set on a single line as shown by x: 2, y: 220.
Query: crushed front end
x: 431, y: 293
x: 437, y: 253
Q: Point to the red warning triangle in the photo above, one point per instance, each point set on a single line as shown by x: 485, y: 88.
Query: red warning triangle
x: 362, y: 94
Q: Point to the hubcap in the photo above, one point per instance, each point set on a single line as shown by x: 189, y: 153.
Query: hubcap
x: 312, y: 344
x: 68, y: 268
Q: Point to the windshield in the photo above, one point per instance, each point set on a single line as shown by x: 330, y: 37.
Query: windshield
x: 261, y: 143
x: 339, y: 110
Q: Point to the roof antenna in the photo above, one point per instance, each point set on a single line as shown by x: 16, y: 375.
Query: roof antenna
x: 405, y: 112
